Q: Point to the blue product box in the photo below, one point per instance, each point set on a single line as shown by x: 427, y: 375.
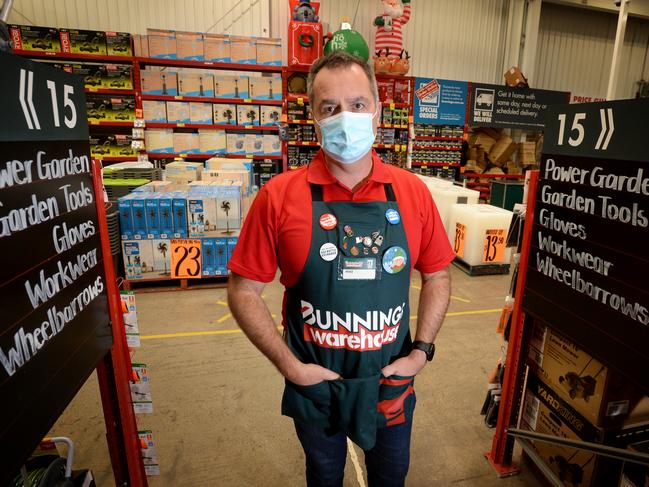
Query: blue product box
x: 166, y: 212
x: 196, y: 218
x: 138, y: 210
x: 220, y: 256
x: 132, y: 259
x: 208, y: 256
x: 180, y: 215
x: 232, y: 242
x: 152, y: 217
x: 125, y: 217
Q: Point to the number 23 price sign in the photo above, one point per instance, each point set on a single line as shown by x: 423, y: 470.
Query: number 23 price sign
x: 186, y: 259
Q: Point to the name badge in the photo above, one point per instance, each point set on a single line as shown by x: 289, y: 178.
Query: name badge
x: 350, y: 268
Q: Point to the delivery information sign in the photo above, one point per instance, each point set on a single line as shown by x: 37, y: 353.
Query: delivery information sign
x: 55, y: 326
x: 440, y: 101
x: 588, y: 265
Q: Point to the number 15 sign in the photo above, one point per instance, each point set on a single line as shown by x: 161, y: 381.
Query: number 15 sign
x: 186, y: 258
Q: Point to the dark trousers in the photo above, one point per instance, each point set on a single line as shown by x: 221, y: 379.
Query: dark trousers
x: 326, y: 452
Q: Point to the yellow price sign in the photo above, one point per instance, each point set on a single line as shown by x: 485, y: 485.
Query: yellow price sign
x: 458, y: 243
x: 247, y: 100
x: 178, y: 97
x: 186, y: 258
x: 300, y: 101
x: 392, y: 106
x: 181, y: 124
x: 494, y: 246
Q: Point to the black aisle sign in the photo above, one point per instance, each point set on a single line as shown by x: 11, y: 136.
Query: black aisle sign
x: 55, y: 326
x: 589, y: 261
x: 508, y: 107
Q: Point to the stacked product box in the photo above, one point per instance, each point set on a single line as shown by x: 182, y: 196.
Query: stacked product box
x: 83, y: 42
x: 35, y: 38
x: 116, y: 145
x: 155, y: 81
x: 265, y: 87
x: 101, y: 108
x: 216, y: 254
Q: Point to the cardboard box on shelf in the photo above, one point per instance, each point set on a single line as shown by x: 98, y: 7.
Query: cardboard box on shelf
x: 159, y: 140
x: 200, y: 113
x: 123, y: 145
x: 228, y: 208
x: 254, y: 144
x: 186, y: 143
x: 270, y: 115
x: 179, y: 203
x: 154, y: 111
x: 178, y: 112
x: 122, y: 109
x: 151, y: 204
x: 216, y: 48
x: 133, y: 251
x: 603, y: 397
x: 231, y: 86
x: 266, y: 87
x: 83, y: 42
x: 224, y: 114
x: 98, y: 108
x: 502, y: 150
x: 243, y: 50
x: 386, y: 90
x: 269, y: 51
x: 221, y: 256
x: 247, y: 115
x: 159, y: 82
x: 94, y: 75
x: 35, y: 38
x: 138, y: 212
x: 272, y: 145
x: 125, y: 217
x: 401, y: 91
x: 195, y: 83
x: 117, y: 76
x: 118, y: 44
x: 189, y: 46
x: 162, y: 43
x: 212, y: 141
x: 236, y: 144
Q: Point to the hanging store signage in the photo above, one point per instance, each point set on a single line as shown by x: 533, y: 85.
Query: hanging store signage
x: 508, y: 107
x: 440, y: 101
x: 55, y: 325
x: 588, y: 262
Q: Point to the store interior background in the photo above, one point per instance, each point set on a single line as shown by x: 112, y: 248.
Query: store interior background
x: 559, y: 45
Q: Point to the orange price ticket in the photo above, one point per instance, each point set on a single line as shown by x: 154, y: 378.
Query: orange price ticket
x: 186, y: 258
x: 458, y: 243
x: 494, y: 246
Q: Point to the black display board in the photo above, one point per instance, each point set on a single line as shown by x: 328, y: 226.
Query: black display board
x: 588, y: 269
x: 55, y: 326
x: 508, y: 107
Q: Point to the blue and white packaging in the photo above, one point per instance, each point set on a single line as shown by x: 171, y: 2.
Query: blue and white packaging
x: 220, y: 256
x: 232, y: 242
x: 132, y: 259
x: 166, y: 212
x: 125, y: 217
x: 228, y: 208
x: 152, y: 216
x: 180, y: 214
x: 208, y: 256
x: 138, y: 210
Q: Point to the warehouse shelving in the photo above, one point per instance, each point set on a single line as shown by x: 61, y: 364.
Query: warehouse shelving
x: 241, y: 101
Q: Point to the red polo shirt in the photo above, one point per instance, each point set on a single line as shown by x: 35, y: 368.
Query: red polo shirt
x: 277, y: 230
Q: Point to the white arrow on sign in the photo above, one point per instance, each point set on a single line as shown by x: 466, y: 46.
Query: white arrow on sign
x: 28, y: 90
x: 608, y: 127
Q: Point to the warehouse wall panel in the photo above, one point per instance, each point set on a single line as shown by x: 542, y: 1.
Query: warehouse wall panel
x: 457, y: 39
x: 237, y: 17
x: 576, y: 47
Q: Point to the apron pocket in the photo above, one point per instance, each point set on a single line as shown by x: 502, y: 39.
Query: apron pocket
x: 353, y: 408
x: 396, y: 400
x: 310, y: 404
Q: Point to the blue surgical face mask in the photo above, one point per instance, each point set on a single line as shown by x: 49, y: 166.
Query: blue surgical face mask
x: 347, y: 136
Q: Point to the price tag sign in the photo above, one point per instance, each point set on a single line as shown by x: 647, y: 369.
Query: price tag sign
x: 300, y: 101
x: 186, y: 258
x: 494, y: 246
x: 458, y: 243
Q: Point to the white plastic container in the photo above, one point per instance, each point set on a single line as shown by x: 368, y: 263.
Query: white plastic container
x: 447, y: 196
x: 478, y: 233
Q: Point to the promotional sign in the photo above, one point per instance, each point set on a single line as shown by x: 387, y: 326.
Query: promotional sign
x: 440, y: 101
x: 508, y: 107
x: 186, y: 261
x: 589, y: 258
x: 55, y: 326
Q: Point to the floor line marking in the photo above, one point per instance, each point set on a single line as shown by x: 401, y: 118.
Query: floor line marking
x: 355, y: 462
x: 222, y: 303
x: 225, y: 317
x: 463, y: 300
x: 462, y: 313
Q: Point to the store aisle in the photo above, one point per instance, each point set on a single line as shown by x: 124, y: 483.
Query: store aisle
x: 216, y: 417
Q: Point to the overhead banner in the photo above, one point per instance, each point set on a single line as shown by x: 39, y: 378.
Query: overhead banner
x: 440, y: 101
x: 55, y: 325
x: 508, y: 107
x: 588, y: 267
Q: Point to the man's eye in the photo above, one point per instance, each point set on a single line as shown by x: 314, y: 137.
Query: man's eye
x: 359, y: 106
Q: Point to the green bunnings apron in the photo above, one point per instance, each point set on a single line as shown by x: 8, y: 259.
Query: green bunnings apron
x: 349, y: 312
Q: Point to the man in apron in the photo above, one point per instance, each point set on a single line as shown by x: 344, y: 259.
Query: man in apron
x: 346, y: 231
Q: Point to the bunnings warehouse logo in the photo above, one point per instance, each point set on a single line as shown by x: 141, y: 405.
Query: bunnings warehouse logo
x: 351, y: 331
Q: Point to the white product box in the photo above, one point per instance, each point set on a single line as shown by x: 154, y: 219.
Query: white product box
x: 200, y: 113
x: 159, y: 140
x: 272, y: 145
x: 159, y: 82
x: 270, y: 115
x: 266, y: 87
x: 224, y: 114
x: 154, y: 111
x: 236, y: 144
x: 269, y: 51
x: 178, y: 112
x: 254, y: 144
x: 243, y: 50
x: 186, y: 143
x: 248, y: 115
x: 228, y: 207
x: 212, y: 141
x: 231, y: 86
x: 216, y: 48
x: 189, y: 46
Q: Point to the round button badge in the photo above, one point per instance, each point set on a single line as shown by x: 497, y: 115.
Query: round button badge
x: 328, y: 252
x: 392, y: 216
x: 328, y: 221
x: 394, y: 260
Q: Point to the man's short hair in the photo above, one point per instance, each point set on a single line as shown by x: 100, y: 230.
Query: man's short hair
x: 337, y: 60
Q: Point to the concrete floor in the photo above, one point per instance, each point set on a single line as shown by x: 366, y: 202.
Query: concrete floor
x: 216, y: 419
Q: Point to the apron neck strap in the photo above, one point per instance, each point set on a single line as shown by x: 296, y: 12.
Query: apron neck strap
x: 316, y: 192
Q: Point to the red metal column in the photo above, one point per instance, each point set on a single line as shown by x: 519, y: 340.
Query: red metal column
x: 500, y: 455
x: 115, y: 372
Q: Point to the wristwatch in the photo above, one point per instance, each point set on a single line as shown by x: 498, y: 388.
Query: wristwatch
x: 427, y: 348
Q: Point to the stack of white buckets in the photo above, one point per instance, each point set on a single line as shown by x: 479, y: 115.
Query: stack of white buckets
x: 457, y: 205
